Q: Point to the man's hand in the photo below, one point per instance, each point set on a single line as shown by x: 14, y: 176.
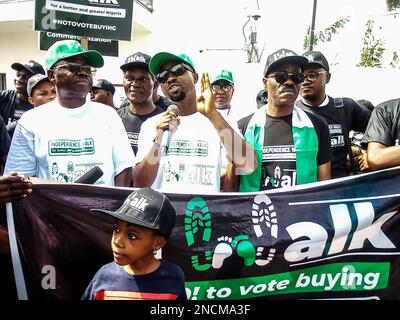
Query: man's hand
x: 168, y: 121
x: 14, y: 187
x: 363, y: 161
x: 206, y: 102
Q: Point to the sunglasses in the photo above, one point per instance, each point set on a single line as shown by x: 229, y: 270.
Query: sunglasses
x: 281, y: 77
x: 225, y: 88
x: 76, y: 68
x: 177, y: 70
x: 312, y: 76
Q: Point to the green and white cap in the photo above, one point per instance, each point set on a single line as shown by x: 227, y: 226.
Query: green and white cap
x: 70, y: 48
x: 163, y: 57
x: 223, y: 75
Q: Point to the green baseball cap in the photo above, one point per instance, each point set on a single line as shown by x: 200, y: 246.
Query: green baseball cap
x: 162, y: 57
x: 70, y: 48
x: 223, y: 75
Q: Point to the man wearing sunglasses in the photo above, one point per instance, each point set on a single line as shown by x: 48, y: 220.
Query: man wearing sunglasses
x: 341, y: 114
x: 71, y: 131
x: 293, y: 147
x: 200, y: 135
x: 138, y: 84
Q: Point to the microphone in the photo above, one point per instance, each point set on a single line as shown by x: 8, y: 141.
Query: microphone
x: 91, y: 176
x: 166, y: 137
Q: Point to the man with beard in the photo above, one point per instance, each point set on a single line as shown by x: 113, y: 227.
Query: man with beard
x: 341, y: 114
x: 191, y: 159
x: 293, y: 147
x: 77, y: 134
x: 138, y: 84
x: 13, y: 103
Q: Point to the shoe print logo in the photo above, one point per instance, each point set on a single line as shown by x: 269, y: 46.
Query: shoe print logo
x: 198, y: 221
x: 265, y: 223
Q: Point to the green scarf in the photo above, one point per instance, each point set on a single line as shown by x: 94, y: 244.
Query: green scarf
x: 305, y: 141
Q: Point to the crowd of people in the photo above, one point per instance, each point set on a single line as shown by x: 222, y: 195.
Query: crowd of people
x: 183, y: 140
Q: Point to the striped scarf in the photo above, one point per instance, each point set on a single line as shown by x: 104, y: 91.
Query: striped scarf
x: 305, y: 141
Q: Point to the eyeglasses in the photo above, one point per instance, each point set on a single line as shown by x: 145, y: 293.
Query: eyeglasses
x: 76, y: 67
x: 281, y: 77
x: 312, y: 76
x: 177, y: 70
x: 225, y: 87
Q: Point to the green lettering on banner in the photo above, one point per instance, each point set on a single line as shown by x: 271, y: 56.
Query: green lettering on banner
x: 335, y: 277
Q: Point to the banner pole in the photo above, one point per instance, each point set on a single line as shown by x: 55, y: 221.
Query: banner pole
x: 16, y: 261
x: 85, y: 43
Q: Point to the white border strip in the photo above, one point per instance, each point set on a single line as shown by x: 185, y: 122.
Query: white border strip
x: 348, y: 254
x: 18, y: 273
x: 396, y: 195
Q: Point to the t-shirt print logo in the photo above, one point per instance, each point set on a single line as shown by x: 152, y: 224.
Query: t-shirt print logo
x: 139, y: 203
x: 63, y: 147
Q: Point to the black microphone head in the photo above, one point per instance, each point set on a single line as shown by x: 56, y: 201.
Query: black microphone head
x: 173, y: 108
x: 91, y: 176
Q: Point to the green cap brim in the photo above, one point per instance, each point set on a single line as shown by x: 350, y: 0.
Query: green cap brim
x: 160, y: 58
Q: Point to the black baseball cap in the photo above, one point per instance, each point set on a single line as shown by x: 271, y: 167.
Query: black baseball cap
x: 105, y: 85
x: 31, y: 66
x: 147, y: 208
x: 262, y: 98
x: 283, y: 56
x: 316, y: 58
x: 138, y: 59
x: 34, y: 81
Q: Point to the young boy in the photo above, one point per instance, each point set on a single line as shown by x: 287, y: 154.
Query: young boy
x: 143, y: 225
x: 40, y: 90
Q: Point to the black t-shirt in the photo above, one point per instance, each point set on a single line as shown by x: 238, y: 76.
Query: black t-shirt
x: 384, y: 125
x: 242, y: 123
x: 11, y: 107
x: 279, y: 154
x: 163, y: 103
x: 357, y: 117
x: 133, y: 122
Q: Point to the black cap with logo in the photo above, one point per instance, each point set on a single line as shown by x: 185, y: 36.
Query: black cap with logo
x: 316, y: 58
x: 147, y: 208
x: 31, y: 66
x: 283, y: 56
x: 105, y: 85
x: 138, y: 59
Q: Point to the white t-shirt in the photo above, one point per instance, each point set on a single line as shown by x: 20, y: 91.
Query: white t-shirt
x: 193, y: 161
x: 57, y: 143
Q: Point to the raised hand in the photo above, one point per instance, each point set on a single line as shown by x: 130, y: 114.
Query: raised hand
x: 206, y: 101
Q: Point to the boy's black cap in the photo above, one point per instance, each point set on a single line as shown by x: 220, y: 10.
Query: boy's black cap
x: 147, y: 208
x: 316, y: 58
x: 31, y: 66
x: 138, y: 59
x: 104, y: 84
x: 283, y: 56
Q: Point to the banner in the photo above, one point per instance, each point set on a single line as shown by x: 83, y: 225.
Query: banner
x: 105, y: 46
x: 338, y: 239
x: 111, y: 19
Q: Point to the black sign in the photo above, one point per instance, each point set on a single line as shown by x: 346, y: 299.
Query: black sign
x: 112, y: 19
x: 331, y: 240
x: 105, y: 46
